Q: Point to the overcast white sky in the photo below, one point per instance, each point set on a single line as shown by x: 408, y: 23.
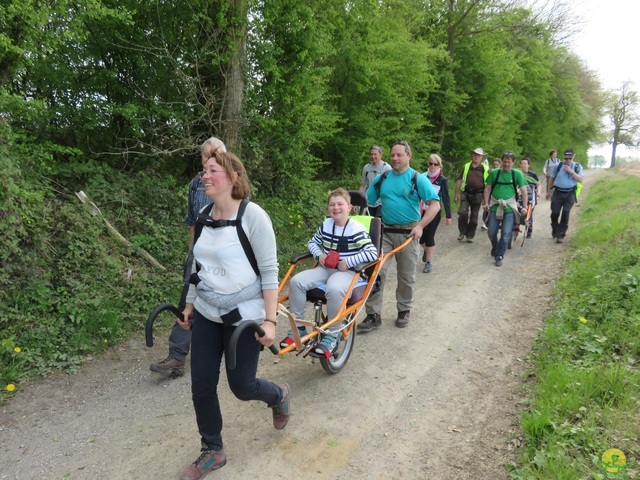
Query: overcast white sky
x: 609, y: 43
x: 609, y: 39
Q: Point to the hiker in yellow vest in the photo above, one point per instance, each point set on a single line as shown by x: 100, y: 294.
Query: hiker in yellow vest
x: 469, y: 192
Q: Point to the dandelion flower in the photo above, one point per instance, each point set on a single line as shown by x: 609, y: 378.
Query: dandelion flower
x: 583, y: 320
x: 11, y: 387
x: 17, y: 350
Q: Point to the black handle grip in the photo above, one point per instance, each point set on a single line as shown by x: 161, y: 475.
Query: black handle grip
x: 233, y: 342
x: 148, y: 329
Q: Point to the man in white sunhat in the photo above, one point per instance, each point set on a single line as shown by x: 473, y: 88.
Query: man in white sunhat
x: 469, y: 193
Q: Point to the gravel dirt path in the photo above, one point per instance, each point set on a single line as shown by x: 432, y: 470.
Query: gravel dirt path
x: 437, y: 400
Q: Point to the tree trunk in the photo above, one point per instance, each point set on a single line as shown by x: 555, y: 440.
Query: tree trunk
x: 451, y: 45
x: 234, y: 84
x: 614, y: 146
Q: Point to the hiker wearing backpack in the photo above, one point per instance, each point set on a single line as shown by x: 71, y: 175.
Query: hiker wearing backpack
x: 179, y: 338
x: 236, y: 280
x: 370, y: 171
x: 563, y: 183
x: 497, y: 163
x: 468, y: 192
x: 501, y: 199
x: 534, y: 189
x: 400, y: 190
x: 549, y: 167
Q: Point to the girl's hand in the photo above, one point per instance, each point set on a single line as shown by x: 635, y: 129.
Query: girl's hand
x: 269, y: 334
x: 187, y: 314
x: 342, y: 266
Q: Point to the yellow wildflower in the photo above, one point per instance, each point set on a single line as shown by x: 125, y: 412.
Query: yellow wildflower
x: 583, y: 320
x: 17, y: 350
x: 11, y: 387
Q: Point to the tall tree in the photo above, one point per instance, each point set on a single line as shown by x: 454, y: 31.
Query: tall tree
x: 234, y: 82
x: 624, y: 113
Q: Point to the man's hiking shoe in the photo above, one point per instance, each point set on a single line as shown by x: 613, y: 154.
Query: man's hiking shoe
x: 461, y: 237
x: 282, y: 410
x: 207, y: 461
x: 370, y: 322
x: 427, y: 267
x: 424, y: 257
x: 403, y: 319
x: 498, y: 261
x: 325, y: 348
x: 169, y: 366
x: 559, y: 239
x: 288, y: 340
x: 469, y: 240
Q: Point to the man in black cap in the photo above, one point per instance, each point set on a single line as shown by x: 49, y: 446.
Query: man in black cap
x: 563, y: 183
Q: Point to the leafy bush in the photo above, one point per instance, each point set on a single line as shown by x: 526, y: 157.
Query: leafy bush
x: 68, y: 287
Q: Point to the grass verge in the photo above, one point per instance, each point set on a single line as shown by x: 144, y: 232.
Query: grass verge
x: 585, y: 400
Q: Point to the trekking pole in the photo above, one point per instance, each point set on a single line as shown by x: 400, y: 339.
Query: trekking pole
x: 233, y: 342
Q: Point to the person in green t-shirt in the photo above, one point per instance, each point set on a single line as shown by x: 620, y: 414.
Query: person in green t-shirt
x: 501, y: 199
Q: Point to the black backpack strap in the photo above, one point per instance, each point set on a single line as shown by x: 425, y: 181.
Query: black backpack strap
x: 204, y: 218
x: 244, y: 240
x: 513, y: 181
x: 197, y: 231
x: 379, y: 184
x: 200, y: 222
x: 495, y: 180
x: 558, y: 167
x: 414, y: 182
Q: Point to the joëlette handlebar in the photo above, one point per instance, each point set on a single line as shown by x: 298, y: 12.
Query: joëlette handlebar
x: 233, y: 342
x: 148, y: 329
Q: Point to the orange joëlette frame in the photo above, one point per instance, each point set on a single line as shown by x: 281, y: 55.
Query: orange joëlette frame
x: 343, y: 311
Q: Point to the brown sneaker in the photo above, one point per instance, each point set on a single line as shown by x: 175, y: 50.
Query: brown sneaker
x: 403, y: 319
x: 207, y: 461
x: 169, y: 366
x: 282, y: 410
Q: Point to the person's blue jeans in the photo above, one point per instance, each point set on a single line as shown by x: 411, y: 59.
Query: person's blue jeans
x: 208, y: 343
x: 499, y: 247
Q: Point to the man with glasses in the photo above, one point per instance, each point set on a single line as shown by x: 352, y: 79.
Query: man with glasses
x: 563, y: 183
x: 400, y: 191
x: 370, y: 171
x: 468, y: 193
x: 179, y: 338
